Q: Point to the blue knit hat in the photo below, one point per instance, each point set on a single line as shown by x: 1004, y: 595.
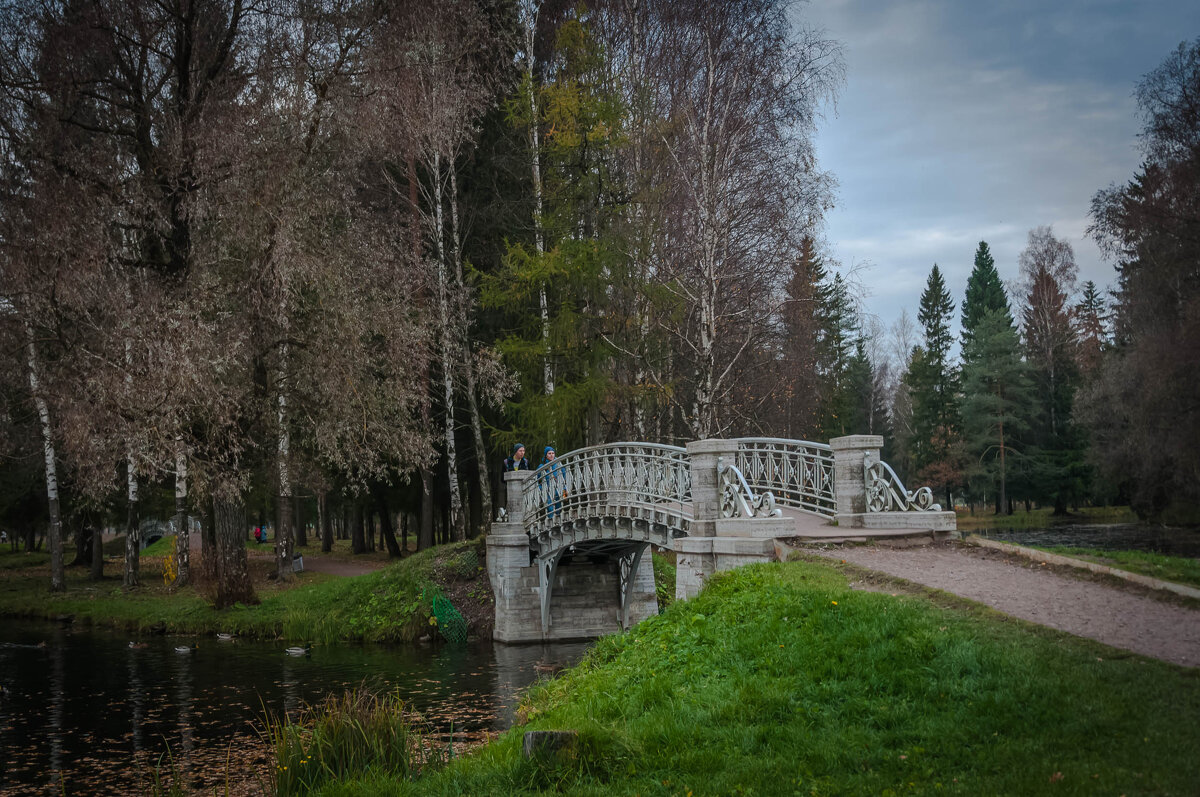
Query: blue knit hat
x: 547, y: 450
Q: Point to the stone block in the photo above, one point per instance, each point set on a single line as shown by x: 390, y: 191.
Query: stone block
x: 878, y: 521
x: 763, y: 527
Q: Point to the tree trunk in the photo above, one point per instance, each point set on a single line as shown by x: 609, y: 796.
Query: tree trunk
x: 97, y: 552
x: 404, y: 521
x: 301, y: 531
x: 385, y: 525
x: 326, y: 524
x: 183, y: 538
x: 132, y: 528
x: 447, y: 351
x: 233, y: 576
x: 57, y: 575
x: 468, y: 363
x: 358, y: 542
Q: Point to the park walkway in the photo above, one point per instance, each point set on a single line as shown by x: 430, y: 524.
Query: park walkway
x: 1123, y: 617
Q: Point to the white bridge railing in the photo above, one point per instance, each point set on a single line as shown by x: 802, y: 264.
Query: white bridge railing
x: 797, y: 473
x: 643, y: 481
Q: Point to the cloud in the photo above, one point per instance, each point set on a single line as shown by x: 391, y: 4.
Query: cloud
x: 963, y: 122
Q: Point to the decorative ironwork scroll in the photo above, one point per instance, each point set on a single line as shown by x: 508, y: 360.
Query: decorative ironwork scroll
x: 737, y: 499
x: 885, y: 492
x: 798, y: 473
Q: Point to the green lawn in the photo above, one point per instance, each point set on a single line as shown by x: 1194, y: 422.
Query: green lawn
x: 1043, y: 518
x: 778, y: 679
x: 391, y: 604
x: 1177, y: 569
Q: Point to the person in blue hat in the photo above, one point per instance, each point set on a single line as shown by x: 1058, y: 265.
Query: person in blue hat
x: 517, y: 461
x: 551, y: 481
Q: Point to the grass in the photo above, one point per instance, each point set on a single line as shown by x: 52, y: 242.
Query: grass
x: 384, y: 606
x: 1176, y: 569
x: 1043, y: 518
x: 347, y: 734
x: 664, y: 579
x: 778, y: 679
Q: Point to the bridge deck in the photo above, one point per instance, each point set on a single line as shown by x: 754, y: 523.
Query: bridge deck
x: 814, y: 528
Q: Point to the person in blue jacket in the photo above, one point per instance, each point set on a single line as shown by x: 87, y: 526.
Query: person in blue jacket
x: 551, y: 480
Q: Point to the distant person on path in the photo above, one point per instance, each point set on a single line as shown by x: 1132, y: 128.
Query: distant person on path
x: 517, y: 461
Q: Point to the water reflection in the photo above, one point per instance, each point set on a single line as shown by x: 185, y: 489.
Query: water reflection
x: 86, y: 713
x: 1173, y: 540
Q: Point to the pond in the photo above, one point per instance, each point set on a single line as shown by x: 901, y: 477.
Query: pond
x: 1172, y: 540
x: 82, y: 712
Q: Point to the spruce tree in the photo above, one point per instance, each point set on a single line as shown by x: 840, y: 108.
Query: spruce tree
x: 985, y: 293
x: 933, y: 382
x: 996, y: 397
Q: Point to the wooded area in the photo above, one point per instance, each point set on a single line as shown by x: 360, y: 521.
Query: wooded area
x: 332, y: 259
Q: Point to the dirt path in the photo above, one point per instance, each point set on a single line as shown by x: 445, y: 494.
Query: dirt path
x: 1112, y: 615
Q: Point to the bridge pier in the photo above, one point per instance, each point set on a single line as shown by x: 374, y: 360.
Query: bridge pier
x: 579, y: 592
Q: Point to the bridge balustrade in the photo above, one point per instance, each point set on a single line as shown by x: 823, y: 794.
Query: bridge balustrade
x: 618, y: 480
x: 798, y: 473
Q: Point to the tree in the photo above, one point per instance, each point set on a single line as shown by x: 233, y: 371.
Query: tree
x: 1091, y: 328
x: 1056, y: 446
x: 1141, y: 408
x: 996, y: 397
x: 985, y: 293
x: 933, y: 382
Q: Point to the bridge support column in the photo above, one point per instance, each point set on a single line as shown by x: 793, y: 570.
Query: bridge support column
x: 703, y: 552
x: 518, y: 610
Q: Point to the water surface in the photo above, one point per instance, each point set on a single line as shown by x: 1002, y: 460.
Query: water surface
x: 79, y: 704
x: 1172, y: 540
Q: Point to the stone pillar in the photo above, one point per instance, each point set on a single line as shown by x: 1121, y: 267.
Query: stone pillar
x: 706, y: 492
x: 518, y: 611
x: 849, y: 475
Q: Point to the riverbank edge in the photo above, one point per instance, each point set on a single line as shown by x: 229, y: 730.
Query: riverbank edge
x: 1082, y: 564
x: 291, y: 613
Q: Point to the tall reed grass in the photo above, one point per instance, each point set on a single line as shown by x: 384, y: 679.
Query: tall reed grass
x: 346, y: 736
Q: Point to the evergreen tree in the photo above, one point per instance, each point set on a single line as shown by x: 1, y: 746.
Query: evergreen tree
x: 837, y: 331
x: 933, y: 382
x: 807, y: 293
x: 985, y: 293
x: 996, y: 397
x: 1091, y: 324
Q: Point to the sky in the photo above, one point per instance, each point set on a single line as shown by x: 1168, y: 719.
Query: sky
x: 970, y: 120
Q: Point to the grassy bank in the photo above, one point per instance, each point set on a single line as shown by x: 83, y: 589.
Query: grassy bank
x: 1176, y: 569
x: 778, y: 679
x: 1043, y: 518
x: 391, y: 604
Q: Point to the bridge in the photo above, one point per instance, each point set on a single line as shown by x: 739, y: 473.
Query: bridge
x: 567, y: 556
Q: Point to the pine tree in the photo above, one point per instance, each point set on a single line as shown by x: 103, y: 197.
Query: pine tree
x: 996, y: 398
x: 1091, y: 324
x: 837, y: 331
x: 933, y: 381
x: 985, y: 293
x: 802, y: 315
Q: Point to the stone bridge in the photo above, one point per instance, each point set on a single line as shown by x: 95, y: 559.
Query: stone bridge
x: 567, y: 557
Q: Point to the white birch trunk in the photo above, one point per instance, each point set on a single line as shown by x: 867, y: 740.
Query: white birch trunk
x: 283, y: 531
x: 183, y: 542
x: 132, y: 524
x: 457, y: 528
x: 464, y: 320
x: 530, y: 20
x: 54, y: 535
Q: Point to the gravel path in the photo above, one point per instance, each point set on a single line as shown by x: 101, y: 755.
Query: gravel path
x: 1031, y: 591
